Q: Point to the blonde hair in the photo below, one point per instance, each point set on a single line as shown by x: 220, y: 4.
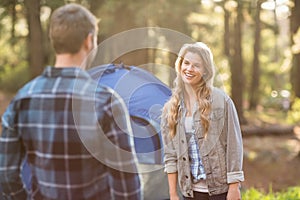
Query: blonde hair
x: 171, y: 109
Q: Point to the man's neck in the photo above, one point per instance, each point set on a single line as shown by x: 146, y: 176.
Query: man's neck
x: 69, y: 60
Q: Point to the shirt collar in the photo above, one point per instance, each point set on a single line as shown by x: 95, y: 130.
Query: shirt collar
x: 72, y: 72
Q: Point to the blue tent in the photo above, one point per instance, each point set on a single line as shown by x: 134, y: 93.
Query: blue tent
x: 144, y: 96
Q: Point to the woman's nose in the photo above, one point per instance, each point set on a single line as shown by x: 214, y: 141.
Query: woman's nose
x: 189, y: 67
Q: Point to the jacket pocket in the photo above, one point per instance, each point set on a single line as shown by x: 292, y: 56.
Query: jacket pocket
x: 215, y: 164
x: 217, y: 121
x: 217, y: 114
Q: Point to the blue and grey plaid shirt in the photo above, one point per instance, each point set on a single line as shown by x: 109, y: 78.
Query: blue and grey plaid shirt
x: 75, y: 137
x: 197, y: 168
x: 196, y: 165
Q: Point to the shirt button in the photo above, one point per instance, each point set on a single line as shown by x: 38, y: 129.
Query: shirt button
x: 186, y: 176
x: 182, y: 141
x: 184, y: 158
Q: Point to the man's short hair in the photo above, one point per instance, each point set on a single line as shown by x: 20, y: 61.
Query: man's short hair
x: 69, y: 27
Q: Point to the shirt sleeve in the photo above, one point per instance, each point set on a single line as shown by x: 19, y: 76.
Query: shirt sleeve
x: 11, y: 156
x: 170, y: 156
x: 120, y: 157
x: 234, y: 145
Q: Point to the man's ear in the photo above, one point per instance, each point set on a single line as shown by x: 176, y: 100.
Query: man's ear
x: 89, y: 42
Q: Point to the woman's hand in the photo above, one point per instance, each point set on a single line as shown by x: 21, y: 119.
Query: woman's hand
x: 234, y: 192
x: 174, y: 196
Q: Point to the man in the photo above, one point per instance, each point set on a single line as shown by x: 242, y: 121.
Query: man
x: 73, y: 151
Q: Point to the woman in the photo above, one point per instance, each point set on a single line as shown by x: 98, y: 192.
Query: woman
x: 203, y: 148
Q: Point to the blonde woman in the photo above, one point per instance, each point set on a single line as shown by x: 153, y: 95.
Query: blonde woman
x: 203, y: 149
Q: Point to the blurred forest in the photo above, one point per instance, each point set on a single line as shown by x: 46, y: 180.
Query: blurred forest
x: 256, y: 43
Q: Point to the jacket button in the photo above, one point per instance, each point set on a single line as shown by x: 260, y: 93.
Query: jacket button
x: 186, y: 176
x: 189, y: 194
x: 184, y: 158
x: 182, y: 141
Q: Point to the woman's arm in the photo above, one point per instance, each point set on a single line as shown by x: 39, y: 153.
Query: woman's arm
x: 170, y: 159
x: 235, y: 173
x: 234, y: 146
x: 172, y: 179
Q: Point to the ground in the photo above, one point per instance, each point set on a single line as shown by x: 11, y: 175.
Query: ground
x: 271, y: 161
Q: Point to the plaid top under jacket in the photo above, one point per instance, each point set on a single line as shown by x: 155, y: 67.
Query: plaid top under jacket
x: 197, y: 168
x: 57, y: 120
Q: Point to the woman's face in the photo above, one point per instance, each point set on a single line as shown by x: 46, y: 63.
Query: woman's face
x: 192, y: 69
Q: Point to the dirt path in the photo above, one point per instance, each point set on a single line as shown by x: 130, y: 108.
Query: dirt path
x: 272, y: 162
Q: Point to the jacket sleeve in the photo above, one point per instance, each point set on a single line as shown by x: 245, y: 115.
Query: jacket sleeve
x: 234, y: 145
x: 11, y: 155
x: 170, y: 156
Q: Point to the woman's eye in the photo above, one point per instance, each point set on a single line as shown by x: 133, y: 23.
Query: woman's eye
x: 186, y: 62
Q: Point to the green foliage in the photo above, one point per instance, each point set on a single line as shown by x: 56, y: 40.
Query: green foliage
x: 12, y: 79
x: 292, y: 193
x: 294, y: 113
x: 252, y: 194
x: 274, y: 75
x: 12, y: 53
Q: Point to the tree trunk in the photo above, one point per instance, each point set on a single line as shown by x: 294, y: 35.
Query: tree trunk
x: 14, y: 20
x: 270, y: 130
x: 227, y: 37
x: 95, y: 6
x: 35, y: 39
x: 237, y: 74
x: 254, y: 87
x: 295, y: 25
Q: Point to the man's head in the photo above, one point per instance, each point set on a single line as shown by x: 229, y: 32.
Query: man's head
x: 70, y: 25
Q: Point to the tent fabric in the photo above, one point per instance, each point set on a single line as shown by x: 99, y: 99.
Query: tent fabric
x: 144, y: 96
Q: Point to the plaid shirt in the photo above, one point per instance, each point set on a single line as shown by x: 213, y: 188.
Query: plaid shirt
x: 75, y: 137
x: 197, y: 168
x: 196, y: 165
